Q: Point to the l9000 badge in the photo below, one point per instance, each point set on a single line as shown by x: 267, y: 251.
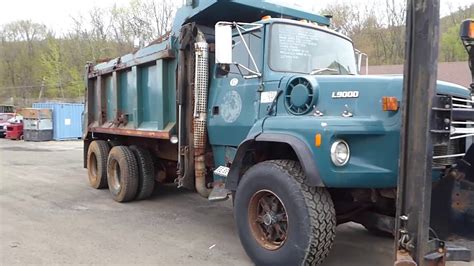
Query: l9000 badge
x: 345, y: 94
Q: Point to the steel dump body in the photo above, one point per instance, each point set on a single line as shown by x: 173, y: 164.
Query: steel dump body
x: 134, y: 94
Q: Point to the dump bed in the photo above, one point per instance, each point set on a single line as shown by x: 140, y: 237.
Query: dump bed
x: 134, y: 95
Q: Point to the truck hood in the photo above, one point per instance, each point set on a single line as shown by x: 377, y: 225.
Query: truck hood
x: 362, y: 95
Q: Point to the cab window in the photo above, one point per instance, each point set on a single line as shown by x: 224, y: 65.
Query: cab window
x: 240, y: 55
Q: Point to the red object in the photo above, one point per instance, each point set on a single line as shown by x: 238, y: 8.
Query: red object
x: 15, y: 131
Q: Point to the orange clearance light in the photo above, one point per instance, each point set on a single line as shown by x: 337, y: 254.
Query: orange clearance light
x: 266, y: 17
x: 471, y: 29
x: 317, y: 140
x: 390, y: 103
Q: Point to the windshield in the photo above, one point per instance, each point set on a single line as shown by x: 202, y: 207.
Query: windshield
x: 307, y: 50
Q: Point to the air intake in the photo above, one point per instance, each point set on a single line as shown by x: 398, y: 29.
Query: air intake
x: 299, y: 96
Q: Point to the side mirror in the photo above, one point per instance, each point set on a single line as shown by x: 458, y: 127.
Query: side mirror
x: 360, y: 56
x: 223, y: 35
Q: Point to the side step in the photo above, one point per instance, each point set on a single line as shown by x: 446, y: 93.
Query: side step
x: 219, y: 192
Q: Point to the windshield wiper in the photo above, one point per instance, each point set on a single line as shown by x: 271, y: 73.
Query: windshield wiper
x: 319, y: 70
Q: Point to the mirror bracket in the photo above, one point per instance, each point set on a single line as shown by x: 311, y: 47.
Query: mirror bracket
x: 223, y: 27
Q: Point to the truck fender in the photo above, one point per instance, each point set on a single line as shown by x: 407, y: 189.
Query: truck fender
x: 303, y: 152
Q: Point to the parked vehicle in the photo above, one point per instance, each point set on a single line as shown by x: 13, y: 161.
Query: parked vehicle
x: 14, y: 131
x: 7, y: 109
x: 271, y: 110
x: 4, y: 117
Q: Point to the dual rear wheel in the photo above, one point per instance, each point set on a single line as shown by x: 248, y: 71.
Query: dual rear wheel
x: 128, y: 172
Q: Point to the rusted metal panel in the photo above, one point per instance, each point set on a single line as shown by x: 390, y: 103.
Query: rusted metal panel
x: 36, y: 113
x: 132, y: 132
x: 118, y: 65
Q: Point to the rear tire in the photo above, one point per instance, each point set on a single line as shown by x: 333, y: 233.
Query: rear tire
x: 122, y: 174
x: 280, y: 219
x: 146, y: 172
x: 97, y: 163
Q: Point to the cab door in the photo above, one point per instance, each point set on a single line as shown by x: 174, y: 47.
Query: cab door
x: 233, y: 99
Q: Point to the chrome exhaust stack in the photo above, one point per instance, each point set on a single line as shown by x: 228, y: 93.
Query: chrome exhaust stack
x: 201, y: 83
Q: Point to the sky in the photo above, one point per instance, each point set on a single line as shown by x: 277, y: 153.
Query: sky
x: 56, y: 14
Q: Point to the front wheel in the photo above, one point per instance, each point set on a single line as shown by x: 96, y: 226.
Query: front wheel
x: 281, y: 220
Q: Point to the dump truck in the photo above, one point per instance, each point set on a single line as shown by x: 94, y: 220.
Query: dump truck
x: 264, y: 104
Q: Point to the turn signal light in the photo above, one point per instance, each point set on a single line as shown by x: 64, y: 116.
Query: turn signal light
x: 390, y: 103
x: 467, y: 30
x: 317, y: 140
x: 471, y: 29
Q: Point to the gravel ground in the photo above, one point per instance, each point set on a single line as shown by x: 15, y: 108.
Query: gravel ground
x: 50, y: 215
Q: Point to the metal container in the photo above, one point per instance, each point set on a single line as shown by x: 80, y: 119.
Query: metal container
x: 67, y: 119
x: 37, y: 135
x: 37, y: 124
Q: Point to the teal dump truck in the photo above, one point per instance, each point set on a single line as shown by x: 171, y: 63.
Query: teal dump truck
x: 264, y: 104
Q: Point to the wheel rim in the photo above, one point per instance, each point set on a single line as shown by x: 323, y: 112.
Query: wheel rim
x: 93, y: 167
x: 268, y: 220
x: 115, y: 175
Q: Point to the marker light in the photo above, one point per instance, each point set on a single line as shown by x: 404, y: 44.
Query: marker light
x: 467, y: 32
x: 340, y: 152
x: 317, y: 140
x: 174, y: 139
x: 390, y: 103
x: 471, y: 29
x: 266, y: 17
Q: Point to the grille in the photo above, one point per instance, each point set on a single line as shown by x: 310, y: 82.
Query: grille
x: 453, y: 128
x: 453, y: 147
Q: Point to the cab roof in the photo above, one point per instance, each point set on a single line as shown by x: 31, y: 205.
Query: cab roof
x: 209, y: 12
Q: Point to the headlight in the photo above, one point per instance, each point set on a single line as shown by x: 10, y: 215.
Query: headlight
x: 340, y: 152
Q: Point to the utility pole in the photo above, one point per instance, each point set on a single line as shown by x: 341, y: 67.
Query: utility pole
x: 415, y: 167
x: 41, y: 89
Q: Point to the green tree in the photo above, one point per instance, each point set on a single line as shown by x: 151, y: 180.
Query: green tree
x: 451, y: 48
x: 53, y: 69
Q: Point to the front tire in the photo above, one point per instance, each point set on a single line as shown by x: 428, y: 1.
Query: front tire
x: 281, y: 220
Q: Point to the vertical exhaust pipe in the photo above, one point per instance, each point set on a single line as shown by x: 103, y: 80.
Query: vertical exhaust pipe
x: 201, y: 80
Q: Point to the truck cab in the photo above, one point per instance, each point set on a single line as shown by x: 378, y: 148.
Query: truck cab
x: 265, y: 104
x: 294, y: 82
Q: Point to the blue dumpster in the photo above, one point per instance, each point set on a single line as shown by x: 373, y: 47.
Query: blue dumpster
x: 67, y: 119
